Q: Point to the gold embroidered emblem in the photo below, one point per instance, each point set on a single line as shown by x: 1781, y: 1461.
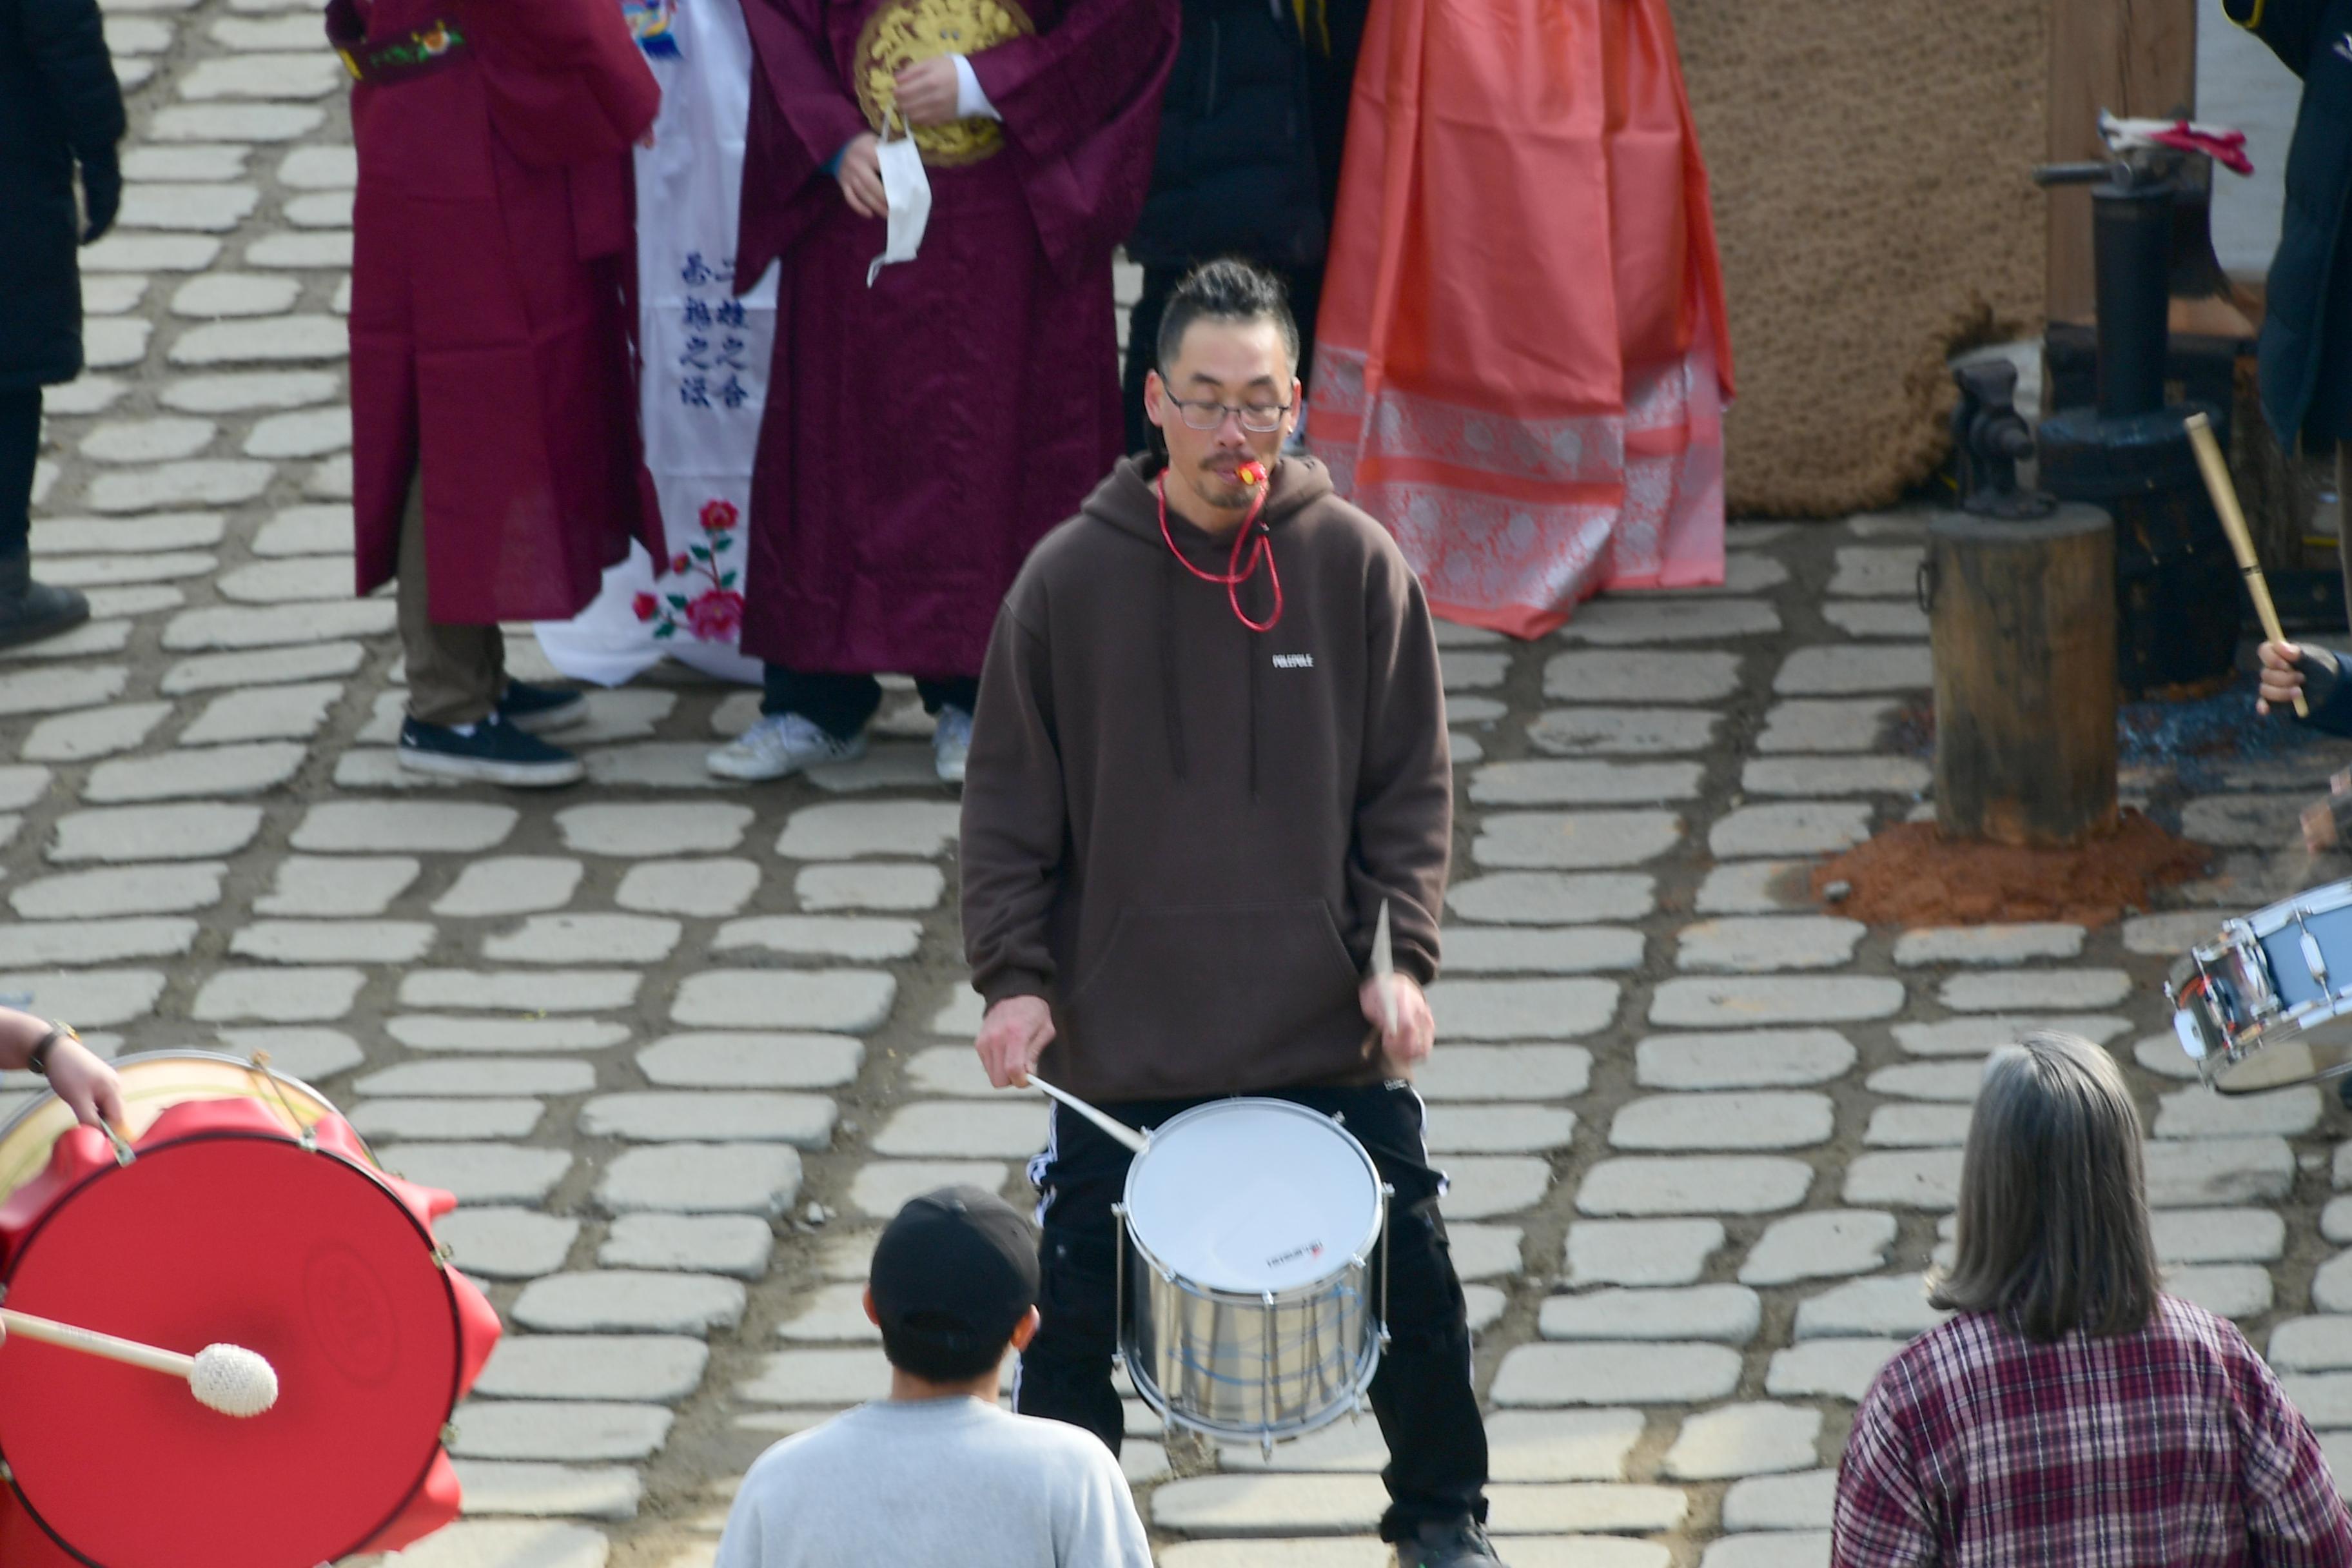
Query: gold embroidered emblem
x: 903, y: 32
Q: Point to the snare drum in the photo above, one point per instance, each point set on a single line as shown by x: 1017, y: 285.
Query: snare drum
x: 1246, y: 1284
x: 244, y: 1210
x: 2267, y: 1001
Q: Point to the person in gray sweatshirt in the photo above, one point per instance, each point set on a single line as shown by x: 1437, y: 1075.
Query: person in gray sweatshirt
x: 939, y: 1474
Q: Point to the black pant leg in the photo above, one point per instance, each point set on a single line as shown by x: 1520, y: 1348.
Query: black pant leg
x: 837, y: 704
x: 1066, y: 1371
x: 960, y: 691
x: 20, y: 445
x: 1143, y: 349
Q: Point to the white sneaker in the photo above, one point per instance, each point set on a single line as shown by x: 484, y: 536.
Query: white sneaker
x: 781, y: 743
x: 951, y: 745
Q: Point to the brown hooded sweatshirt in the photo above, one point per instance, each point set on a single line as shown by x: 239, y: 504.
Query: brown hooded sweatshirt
x: 1179, y: 831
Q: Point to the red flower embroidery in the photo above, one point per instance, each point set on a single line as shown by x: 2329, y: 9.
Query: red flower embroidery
x: 719, y: 516
x: 680, y: 563
x: 715, y: 615
x: 645, y: 605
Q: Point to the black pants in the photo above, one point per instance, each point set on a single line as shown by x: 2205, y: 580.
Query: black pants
x: 841, y: 704
x: 1143, y: 336
x: 1422, y: 1394
x: 20, y: 443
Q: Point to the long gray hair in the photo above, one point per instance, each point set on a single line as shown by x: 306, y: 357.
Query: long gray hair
x: 2053, y: 1226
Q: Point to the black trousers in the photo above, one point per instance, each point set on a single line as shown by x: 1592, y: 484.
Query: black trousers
x: 1422, y: 1395
x: 20, y: 443
x: 1305, y: 286
x: 841, y: 704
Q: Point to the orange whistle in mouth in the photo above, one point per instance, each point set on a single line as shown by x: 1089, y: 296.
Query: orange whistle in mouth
x: 1251, y: 474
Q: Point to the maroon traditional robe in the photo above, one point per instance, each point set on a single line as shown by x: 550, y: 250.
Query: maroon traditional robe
x: 490, y: 337
x: 922, y: 434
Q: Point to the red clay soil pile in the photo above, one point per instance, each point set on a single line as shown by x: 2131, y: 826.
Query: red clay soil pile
x: 1913, y: 875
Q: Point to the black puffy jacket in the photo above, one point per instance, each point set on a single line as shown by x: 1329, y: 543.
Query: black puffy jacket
x: 2306, y: 350
x: 58, y: 103
x: 1235, y: 170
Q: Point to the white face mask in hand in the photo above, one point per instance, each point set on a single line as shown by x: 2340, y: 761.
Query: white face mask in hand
x: 908, y: 191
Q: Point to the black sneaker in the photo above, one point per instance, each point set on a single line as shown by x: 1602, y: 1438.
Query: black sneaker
x: 540, y: 707
x: 491, y: 750
x: 30, y: 611
x: 1453, y: 1544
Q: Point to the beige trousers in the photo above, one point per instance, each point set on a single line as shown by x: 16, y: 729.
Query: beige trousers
x: 456, y: 673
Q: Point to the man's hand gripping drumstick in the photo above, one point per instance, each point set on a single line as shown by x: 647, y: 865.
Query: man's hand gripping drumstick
x: 1394, y: 1003
x: 1012, y: 1037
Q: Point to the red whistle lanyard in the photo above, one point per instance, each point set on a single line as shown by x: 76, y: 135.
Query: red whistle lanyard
x: 1260, y: 542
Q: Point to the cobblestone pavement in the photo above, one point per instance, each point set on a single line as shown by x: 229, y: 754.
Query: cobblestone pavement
x: 676, y: 1048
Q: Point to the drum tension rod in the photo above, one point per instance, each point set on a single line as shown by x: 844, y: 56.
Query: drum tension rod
x: 2313, y: 959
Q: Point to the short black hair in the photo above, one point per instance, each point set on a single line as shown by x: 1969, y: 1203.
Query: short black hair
x: 1227, y: 289
x: 945, y: 1352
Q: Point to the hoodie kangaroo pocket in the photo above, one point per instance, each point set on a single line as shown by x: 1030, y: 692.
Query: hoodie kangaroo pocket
x: 1210, y: 980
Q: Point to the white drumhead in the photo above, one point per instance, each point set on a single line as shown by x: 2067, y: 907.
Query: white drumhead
x: 1250, y: 1195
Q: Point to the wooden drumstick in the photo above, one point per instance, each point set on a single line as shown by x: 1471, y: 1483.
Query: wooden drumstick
x: 227, y: 1378
x: 2233, y: 523
x: 1138, y: 1141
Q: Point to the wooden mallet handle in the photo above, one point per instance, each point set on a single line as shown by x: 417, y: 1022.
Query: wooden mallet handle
x: 2233, y: 523
x: 90, y: 1342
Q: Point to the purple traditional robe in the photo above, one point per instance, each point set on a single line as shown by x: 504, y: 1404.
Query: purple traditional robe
x: 490, y: 334
x: 921, y: 434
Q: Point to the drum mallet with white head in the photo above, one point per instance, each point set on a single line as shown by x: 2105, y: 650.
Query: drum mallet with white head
x: 227, y: 1378
x: 2233, y: 523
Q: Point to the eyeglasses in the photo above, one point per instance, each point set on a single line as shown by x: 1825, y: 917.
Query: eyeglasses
x: 1259, y: 418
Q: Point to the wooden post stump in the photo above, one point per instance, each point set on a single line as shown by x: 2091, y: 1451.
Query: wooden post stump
x: 2023, y: 618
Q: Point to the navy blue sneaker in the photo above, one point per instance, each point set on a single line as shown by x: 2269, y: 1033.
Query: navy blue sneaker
x: 492, y: 752
x: 1455, y: 1543
x: 540, y: 707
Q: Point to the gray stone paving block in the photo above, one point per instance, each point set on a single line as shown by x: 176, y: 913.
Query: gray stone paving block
x: 520, y: 991
x: 245, y: 391
x: 1487, y: 1072
x: 1499, y: 1128
x: 641, y: 1368
x: 122, y: 251
x: 1802, y: 1501
x: 1752, y: 944
x: 867, y: 886
x: 2198, y: 1112
x: 858, y: 939
x: 1640, y: 1252
x: 1565, y: 950
x: 496, y: 1036
x: 706, y: 888
x: 1466, y: 671
x: 2243, y: 821
x: 503, y: 1542
x: 1990, y: 945
x: 961, y: 1015
x: 1482, y: 1187
x: 2219, y: 1236
x: 2035, y: 990
x: 1618, y: 731
x: 701, y: 1178
x: 278, y: 996
x: 1834, y: 671
x: 212, y: 671
x: 1804, y: 725
x: 1573, y: 840
x: 1777, y: 1549
x: 1724, y: 1314
x: 738, y: 1116
x: 2311, y: 1344
x: 1747, y: 1058
x: 481, y: 1173
x: 1330, y: 1551
x: 1617, y: 623
x: 95, y: 999
x: 123, y: 571
x: 834, y: 1314
x: 1888, y: 1306
x: 957, y: 1130
x: 1792, y: 827
x: 752, y: 1062
x: 500, y: 1243
x: 1829, y: 1368
x: 382, y: 825
x: 445, y: 1119
x: 1734, y: 1002
x: 2206, y: 1173
x: 120, y: 890
x: 101, y: 732
x: 852, y: 1001
x: 625, y: 1301
x: 2336, y: 1221
x: 334, y: 942
x: 1522, y: 1009
x: 306, y: 252
x: 521, y: 1076
x: 205, y: 207
x: 1823, y: 1243
x: 1615, y: 1373
x: 852, y: 830
x: 1797, y: 776
x: 1559, y: 1445
x: 1745, y: 1440
x: 882, y: 1187
x: 1521, y: 1510
x: 1641, y: 677
x: 2323, y: 1398
x: 2331, y: 1284
x: 317, y: 168
x: 511, y: 885
x: 313, y: 1055
x: 198, y: 771
x: 1882, y: 572
x: 566, y: 1430
x: 1883, y: 619
x: 1756, y: 888
x: 956, y: 1070
x: 585, y: 938
x: 2230, y: 1290
x: 275, y: 713
x: 1580, y: 783
x: 284, y: 340
x: 122, y: 835
x: 731, y: 1244
x: 540, y: 1489
x: 817, y: 1378
x: 1911, y: 1179
x: 1552, y: 898
x: 1730, y: 1119
x: 1975, y: 1037
x: 2169, y: 935
x: 255, y: 627
x: 1696, y: 1183
x: 1917, y: 1126
x: 668, y: 828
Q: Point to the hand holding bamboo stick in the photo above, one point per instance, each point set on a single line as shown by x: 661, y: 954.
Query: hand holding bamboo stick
x: 2233, y: 523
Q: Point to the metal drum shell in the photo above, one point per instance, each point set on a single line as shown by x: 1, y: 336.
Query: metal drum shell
x: 2252, y: 998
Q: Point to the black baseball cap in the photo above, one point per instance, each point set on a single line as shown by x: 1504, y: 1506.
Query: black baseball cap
x: 957, y: 1269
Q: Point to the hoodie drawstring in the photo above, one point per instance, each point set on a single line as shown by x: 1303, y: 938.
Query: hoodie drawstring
x: 1260, y: 538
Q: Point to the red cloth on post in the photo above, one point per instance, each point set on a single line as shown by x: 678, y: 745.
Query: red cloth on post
x: 490, y: 335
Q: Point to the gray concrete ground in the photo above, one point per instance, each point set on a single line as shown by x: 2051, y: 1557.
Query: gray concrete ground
x: 678, y: 1048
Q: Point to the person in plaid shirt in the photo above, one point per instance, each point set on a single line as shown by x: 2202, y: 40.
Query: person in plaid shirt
x: 2070, y: 1412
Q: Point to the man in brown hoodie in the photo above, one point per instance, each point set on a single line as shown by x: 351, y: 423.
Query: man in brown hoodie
x: 1209, y: 744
